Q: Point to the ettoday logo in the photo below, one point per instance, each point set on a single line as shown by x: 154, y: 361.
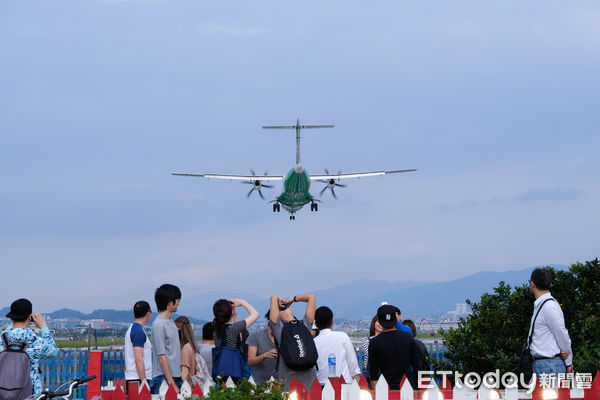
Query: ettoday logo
x: 509, y: 380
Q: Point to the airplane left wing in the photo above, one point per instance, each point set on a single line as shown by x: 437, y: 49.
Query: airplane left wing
x: 360, y: 174
x: 234, y: 177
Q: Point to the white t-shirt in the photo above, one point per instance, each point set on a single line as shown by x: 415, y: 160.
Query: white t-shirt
x: 136, y: 337
x: 338, y: 343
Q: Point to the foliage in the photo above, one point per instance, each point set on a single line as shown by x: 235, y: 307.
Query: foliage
x: 493, y: 336
x: 247, y: 391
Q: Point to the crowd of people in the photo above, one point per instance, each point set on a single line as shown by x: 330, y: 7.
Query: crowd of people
x: 305, y: 348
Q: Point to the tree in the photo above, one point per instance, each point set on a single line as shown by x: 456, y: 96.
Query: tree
x: 493, y: 336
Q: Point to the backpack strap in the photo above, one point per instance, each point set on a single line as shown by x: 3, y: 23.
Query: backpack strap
x: 5, y: 340
x: 534, y: 319
x: 7, y: 344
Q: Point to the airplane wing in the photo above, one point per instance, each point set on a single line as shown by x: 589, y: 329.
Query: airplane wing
x: 360, y: 174
x: 234, y: 177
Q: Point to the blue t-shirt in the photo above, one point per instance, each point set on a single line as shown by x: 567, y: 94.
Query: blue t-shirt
x: 137, y: 335
x: 401, y: 327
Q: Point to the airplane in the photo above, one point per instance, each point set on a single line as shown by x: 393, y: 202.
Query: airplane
x: 296, y: 183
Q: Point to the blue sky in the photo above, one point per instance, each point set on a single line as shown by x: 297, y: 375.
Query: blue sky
x: 495, y: 103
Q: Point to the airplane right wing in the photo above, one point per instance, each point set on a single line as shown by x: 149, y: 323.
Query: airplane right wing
x: 360, y: 174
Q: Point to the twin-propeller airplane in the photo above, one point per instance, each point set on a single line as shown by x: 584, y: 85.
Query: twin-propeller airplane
x: 296, y: 184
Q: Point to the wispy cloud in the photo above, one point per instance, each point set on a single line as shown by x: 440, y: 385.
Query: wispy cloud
x: 548, y: 195
x: 539, y: 195
x: 230, y: 30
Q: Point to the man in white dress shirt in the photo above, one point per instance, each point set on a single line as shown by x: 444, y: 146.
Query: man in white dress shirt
x: 336, y: 343
x: 550, y: 344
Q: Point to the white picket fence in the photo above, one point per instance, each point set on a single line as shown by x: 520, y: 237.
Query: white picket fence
x: 356, y: 391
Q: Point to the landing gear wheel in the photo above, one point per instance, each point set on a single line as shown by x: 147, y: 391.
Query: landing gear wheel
x: 316, y: 207
x: 278, y: 207
x: 274, y: 207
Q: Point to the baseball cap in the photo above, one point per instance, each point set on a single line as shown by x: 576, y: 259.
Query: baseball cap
x: 20, y: 309
x: 386, y: 314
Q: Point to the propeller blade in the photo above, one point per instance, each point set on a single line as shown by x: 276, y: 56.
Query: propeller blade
x: 326, y: 171
x: 267, y: 186
x: 321, y: 194
x: 266, y: 173
x: 322, y: 180
x: 261, y: 195
x: 340, y: 185
x: 249, y: 193
x: 252, y: 172
x: 333, y: 193
x: 248, y: 182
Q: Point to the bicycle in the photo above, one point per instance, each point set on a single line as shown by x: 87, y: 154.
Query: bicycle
x: 65, y: 394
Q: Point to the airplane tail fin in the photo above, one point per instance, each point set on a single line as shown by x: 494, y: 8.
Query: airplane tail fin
x: 297, y: 127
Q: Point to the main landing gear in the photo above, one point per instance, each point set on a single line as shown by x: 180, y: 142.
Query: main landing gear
x: 314, y: 207
x: 292, y: 217
x: 276, y: 207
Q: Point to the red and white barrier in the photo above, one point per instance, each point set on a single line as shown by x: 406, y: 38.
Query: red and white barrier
x: 338, y: 389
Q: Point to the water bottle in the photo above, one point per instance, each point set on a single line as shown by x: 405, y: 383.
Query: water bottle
x: 331, y: 364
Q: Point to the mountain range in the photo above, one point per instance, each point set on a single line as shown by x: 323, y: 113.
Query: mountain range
x: 360, y: 299
x: 355, y: 300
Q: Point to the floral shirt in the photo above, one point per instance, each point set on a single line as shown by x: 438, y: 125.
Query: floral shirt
x: 38, y: 347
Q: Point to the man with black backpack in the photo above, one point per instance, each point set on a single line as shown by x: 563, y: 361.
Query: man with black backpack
x: 296, y: 348
x: 21, y: 351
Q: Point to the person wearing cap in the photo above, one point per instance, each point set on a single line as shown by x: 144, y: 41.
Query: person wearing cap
x: 38, y: 346
x: 392, y: 353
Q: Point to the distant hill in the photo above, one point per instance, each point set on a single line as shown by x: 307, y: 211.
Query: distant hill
x: 354, y: 300
x: 360, y: 299
x: 108, y: 315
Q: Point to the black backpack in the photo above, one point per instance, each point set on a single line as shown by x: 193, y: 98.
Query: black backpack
x: 297, y: 347
x: 15, y: 378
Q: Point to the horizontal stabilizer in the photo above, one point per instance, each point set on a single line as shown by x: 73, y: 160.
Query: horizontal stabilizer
x: 297, y: 126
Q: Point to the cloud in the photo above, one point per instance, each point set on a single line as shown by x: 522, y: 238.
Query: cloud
x: 230, y: 30
x: 545, y: 195
x: 555, y: 195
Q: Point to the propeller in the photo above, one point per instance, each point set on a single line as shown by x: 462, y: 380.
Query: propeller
x: 256, y: 185
x: 330, y: 184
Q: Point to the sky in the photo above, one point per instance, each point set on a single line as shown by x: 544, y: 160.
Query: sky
x: 496, y: 104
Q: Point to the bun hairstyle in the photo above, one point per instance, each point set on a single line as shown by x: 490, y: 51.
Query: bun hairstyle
x: 222, y: 309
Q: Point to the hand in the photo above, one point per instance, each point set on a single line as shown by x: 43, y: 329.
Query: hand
x: 570, y: 369
x: 282, y: 303
x: 289, y: 301
x: 236, y: 302
x: 271, y: 353
x: 38, y: 320
x: 564, y: 355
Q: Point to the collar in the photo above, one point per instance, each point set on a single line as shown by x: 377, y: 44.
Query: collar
x: 541, y: 299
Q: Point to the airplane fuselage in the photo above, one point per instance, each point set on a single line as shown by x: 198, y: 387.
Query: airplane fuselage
x: 296, y: 186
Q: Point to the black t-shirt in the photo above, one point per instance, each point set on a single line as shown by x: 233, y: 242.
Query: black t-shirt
x: 393, y: 353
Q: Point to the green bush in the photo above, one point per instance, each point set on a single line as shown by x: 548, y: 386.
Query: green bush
x: 246, y: 391
x: 493, y: 336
